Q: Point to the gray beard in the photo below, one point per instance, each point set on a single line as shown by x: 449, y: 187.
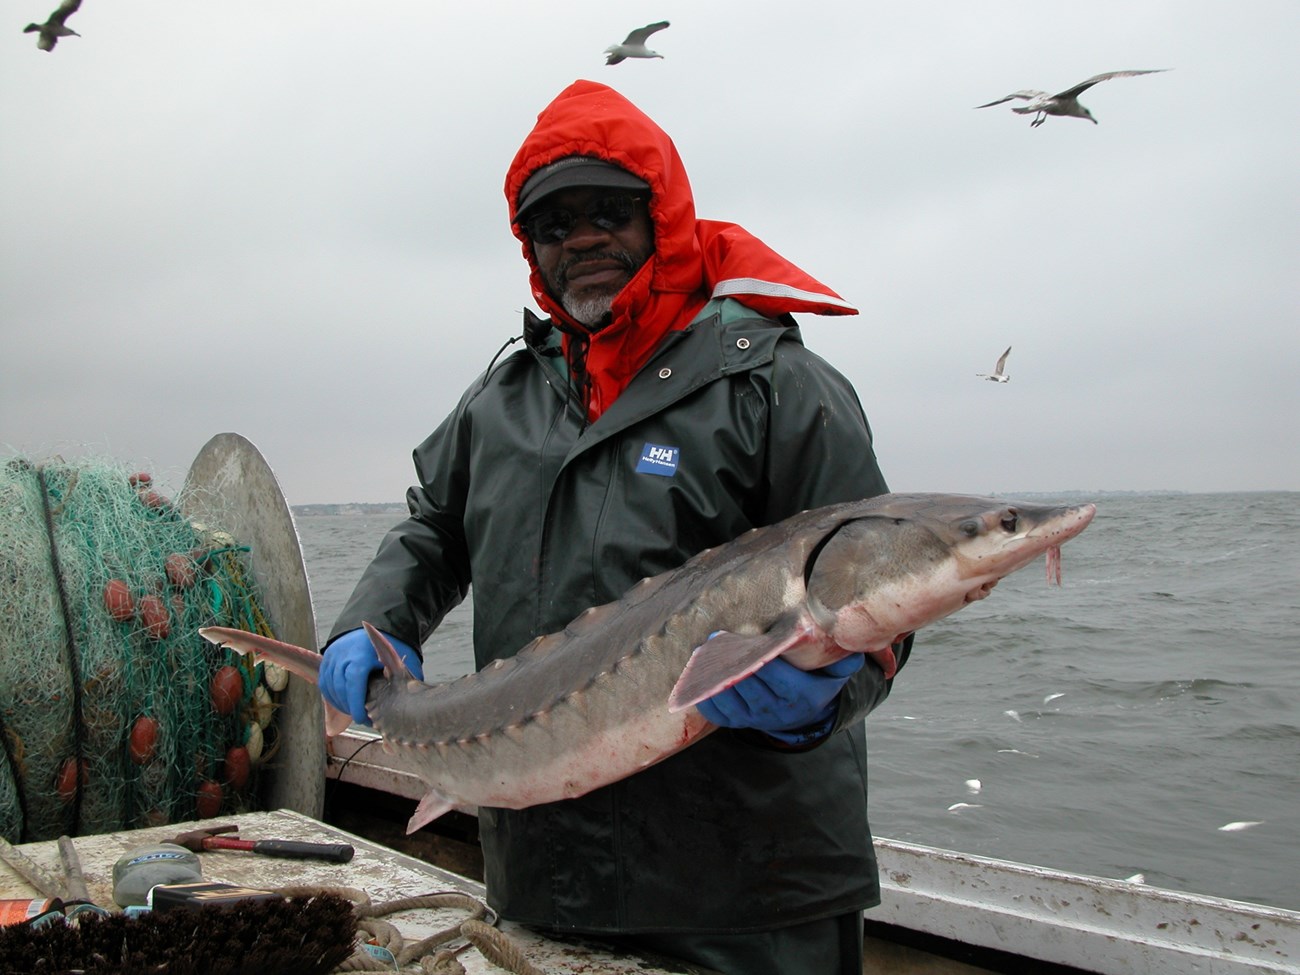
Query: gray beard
x: 588, y: 311
x: 593, y: 309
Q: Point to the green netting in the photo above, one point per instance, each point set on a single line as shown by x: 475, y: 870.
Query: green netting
x: 103, y: 586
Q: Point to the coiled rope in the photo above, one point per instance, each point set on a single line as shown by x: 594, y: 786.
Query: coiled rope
x: 434, y: 955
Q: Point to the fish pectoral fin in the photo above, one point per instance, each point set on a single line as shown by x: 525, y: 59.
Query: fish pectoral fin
x: 727, y: 658
x: 886, y: 660
x: 433, y: 805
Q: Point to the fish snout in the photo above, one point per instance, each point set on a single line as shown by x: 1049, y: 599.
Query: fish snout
x: 1074, y: 520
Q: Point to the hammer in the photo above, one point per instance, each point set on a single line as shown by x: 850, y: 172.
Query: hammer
x: 205, y: 839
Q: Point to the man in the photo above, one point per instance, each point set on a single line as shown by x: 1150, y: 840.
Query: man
x: 665, y: 406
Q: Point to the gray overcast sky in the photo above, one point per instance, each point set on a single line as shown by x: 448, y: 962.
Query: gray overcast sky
x: 286, y: 220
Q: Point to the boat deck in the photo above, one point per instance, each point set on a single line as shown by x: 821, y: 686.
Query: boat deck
x: 942, y: 913
x: 382, y: 873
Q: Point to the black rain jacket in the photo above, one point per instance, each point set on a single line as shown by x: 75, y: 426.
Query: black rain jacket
x: 548, y: 515
x: 538, y: 495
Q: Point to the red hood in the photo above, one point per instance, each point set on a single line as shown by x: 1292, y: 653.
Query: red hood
x: 694, y: 260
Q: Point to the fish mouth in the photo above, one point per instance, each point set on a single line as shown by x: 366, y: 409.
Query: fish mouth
x: 981, y: 591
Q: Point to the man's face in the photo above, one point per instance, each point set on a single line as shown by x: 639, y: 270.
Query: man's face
x: 594, y: 260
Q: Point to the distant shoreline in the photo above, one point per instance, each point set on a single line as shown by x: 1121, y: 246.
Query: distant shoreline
x: 399, y: 507
x: 351, y: 508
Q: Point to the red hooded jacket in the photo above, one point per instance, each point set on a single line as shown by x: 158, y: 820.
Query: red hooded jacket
x: 694, y: 260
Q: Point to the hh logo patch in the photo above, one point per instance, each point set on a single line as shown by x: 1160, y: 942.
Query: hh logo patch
x: 657, y: 459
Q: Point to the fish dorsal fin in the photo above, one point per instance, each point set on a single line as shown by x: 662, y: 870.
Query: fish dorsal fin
x: 726, y: 658
x: 394, y: 665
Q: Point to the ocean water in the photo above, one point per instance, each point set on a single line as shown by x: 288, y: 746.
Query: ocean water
x: 1112, y: 727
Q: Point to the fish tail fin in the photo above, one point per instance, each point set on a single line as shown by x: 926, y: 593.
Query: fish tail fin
x: 296, y: 660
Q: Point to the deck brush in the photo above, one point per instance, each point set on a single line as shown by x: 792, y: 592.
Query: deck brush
x: 294, y: 936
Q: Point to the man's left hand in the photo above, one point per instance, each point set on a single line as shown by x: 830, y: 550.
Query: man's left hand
x: 792, y: 705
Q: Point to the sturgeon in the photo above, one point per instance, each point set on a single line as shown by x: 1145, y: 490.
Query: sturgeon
x: 614, y: 691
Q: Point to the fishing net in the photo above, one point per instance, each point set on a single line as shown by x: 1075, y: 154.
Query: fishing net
x: 114, y: 712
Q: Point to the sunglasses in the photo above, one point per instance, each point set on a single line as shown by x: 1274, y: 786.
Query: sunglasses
x: 610, y: 212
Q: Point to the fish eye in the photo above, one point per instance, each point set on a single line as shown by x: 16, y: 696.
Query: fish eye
x: 970, y: 527
x: 1010, y: 519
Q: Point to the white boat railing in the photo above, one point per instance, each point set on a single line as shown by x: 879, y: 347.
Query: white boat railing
x: 1091, y: 923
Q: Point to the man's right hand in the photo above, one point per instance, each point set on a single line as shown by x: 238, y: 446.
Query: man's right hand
x: 346, y: 668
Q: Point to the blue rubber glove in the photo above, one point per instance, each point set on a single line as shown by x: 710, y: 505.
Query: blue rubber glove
x: 346, y: 668
x: 791, y: 705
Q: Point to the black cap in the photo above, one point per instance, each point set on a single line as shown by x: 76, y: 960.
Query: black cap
x: 575, y: 171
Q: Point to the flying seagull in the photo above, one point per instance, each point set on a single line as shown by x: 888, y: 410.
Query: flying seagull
x: 634, y: 45
x: 998, y: 375
x: 1041, y: 104
x: 54, y: 28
